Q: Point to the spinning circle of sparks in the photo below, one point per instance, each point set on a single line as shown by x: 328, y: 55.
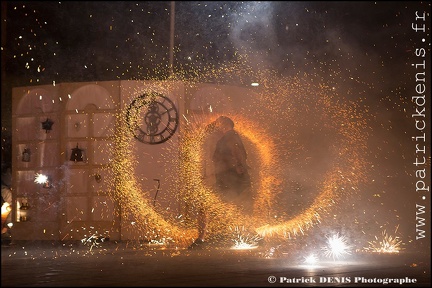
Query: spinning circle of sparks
x: 286, y: 99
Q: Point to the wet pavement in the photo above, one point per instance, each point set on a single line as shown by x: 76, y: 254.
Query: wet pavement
x: 126, y: 264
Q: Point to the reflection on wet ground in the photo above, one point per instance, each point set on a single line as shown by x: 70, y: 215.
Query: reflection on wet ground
x: 128, y: 264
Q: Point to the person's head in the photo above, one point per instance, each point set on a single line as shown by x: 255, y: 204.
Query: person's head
x: 224, y: 123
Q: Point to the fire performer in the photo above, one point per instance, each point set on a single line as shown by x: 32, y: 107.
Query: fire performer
x: 230, y: 169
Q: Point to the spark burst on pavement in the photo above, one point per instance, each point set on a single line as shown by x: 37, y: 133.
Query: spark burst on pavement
x: 311, y: 259
x: 244, y: 240
x: 94, y: 241
x: 385, y: 244
x: 336, y: 247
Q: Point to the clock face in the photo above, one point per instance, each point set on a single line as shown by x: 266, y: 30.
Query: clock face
x: 152, y: 118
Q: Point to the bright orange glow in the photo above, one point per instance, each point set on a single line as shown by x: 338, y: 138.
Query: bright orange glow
x: 293, y: 113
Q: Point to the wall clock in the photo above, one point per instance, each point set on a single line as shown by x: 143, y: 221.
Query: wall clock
x: 152, y: 118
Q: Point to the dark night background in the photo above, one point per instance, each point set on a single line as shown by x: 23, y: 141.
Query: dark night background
x: 366, y: 48
x: 368, y: 42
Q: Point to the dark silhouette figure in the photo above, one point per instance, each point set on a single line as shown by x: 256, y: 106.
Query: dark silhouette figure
x: 230, y: 170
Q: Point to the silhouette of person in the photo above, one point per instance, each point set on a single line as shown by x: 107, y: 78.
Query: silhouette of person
x: 229, y: 158
x: 230, y: 169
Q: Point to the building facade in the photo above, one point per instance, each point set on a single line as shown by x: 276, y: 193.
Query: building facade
x: 63, y: 143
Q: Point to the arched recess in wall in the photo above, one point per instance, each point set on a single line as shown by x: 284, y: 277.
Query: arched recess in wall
x: 35, y: 107
x: 38, y: 100
x: 89, y: 127
x: 37, y: 131
x: 90, y: 94
x: 38, y: 107
x: 90, y: 114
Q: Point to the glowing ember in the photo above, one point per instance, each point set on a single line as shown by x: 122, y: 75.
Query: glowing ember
x: 5, y: 209
x: 243, y: 246
x: 94, y: 241
x: 160, y: 242
x: 271, y: 252
x: 336, y: 246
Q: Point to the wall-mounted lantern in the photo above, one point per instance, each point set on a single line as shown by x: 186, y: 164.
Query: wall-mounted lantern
x: 47, y: 125
x: 48, y: 183
x: 24, y: 211
x: 77, y: 154
x: 26, y: 155
x: 98, y: 178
